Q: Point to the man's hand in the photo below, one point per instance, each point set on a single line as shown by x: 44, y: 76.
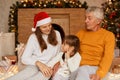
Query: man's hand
x: 94, y: 77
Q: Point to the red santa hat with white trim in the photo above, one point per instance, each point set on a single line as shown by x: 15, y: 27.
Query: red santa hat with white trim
x: 40, y: 19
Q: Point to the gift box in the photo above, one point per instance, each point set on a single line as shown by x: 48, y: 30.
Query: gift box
x: 115, y: 67
x: 12, y: 58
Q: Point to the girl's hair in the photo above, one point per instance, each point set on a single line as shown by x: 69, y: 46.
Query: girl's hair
x: 97, y: 11
x: 52, y: 39
x: 74, y: 41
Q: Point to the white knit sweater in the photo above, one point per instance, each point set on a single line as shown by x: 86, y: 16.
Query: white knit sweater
x: 32, y: 52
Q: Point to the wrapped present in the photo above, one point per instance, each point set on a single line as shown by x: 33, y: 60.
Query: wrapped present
x: 12, y: 58
x: 116, y: 69
x: 4, y: 63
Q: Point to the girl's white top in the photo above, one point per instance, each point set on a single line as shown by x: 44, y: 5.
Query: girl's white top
x: 67, y: 66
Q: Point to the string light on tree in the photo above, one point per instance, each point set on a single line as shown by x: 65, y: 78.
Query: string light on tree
x: 26, y: 0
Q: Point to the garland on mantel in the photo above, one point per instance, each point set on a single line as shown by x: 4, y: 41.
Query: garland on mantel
x: 13, y: 24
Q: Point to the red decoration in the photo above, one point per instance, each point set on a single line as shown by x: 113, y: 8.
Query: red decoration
x: 112, y: 15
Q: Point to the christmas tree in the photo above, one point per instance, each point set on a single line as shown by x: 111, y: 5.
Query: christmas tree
x: 112, y: 18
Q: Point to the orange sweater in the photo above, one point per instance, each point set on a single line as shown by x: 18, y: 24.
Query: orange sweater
x: 97, y: 49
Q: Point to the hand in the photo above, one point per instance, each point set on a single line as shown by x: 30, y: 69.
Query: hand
x: 69, y: 52
x: 46, y: 71
x: 94, y: 77
x: 55, y: 68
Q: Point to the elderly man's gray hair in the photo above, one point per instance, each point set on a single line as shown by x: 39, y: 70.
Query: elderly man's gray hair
x: 97, y: 11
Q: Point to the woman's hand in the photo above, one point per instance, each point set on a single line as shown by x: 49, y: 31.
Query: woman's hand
x: 46, y: 71
x: 94, y: 77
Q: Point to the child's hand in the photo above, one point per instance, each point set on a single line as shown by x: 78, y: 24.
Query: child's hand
x: 69, y: 52
x: 55, y: 68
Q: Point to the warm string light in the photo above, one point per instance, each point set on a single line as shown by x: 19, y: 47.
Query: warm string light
x: 109, y: 2
x: 113, y: 76
x: 12, y: 70
x: 26, y: 0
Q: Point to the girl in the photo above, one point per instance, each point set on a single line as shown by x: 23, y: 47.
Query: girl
x: 69, y: 58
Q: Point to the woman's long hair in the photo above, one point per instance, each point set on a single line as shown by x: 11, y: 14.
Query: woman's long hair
x: 52, y: 38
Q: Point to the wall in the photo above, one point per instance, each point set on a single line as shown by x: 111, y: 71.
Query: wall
x: 5, y: 8
x: 94, y: 2
x: 4, y: 13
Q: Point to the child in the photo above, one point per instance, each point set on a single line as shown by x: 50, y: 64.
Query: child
x: 69, y: 58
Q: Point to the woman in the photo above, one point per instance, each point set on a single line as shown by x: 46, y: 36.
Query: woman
x: 41, y: 47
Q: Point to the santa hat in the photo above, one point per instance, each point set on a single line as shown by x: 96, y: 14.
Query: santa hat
x: 40, y: 19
